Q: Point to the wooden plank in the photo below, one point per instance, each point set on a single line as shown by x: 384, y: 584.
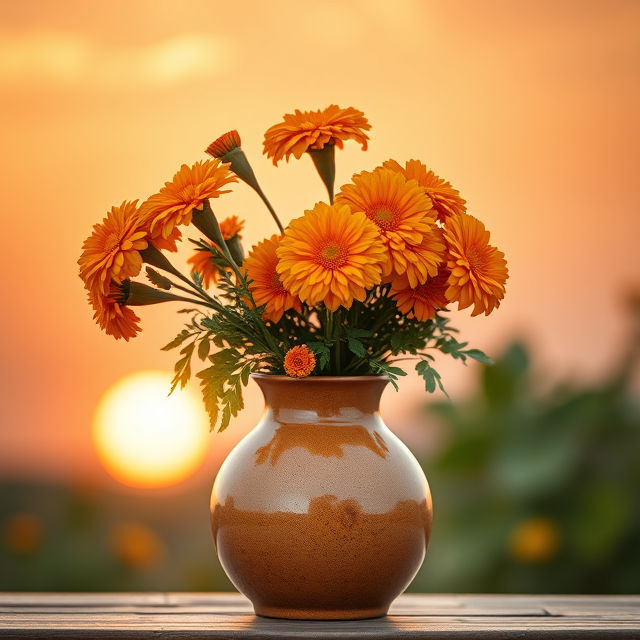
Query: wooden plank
x: 197, y: 626
x: 226, y: 616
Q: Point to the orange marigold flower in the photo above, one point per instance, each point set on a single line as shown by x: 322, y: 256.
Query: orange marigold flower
x: 478, y: 270
x: 115, y: 319
x: 534, y: 540
x: 313, y: 130
x: 421, y: 302
x: 299, y: 362
x: 231, y: 226
x: 201, y: 261
x: 112, y: 250
x: 267, y: 287
x: 330, y: 255
x: 402, y: 213
x: 446, y: 200
x: 173, y: 206
x: 421, y: 261
x: 225, y: 143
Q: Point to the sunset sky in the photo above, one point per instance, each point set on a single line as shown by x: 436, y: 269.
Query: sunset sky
x: 528, y: 107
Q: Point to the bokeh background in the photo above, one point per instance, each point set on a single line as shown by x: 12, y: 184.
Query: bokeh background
x: 528, y: 107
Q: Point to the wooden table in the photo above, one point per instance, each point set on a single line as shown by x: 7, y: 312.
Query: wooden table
x: 184, y: 616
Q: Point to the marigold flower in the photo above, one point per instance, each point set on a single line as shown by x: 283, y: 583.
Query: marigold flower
x: 446, y: 200
x: 231, y: 226
x: 224, y: 144
x: 201, y: 260
x: 478, y: 270
x: 227, y: 148
x: 267, y: 287
x: 421, y: 261
x: 175, y: 202
x: 115, y: 319
x: 111, y: 252
x: 330, y: 255
x: 136, y: 546
x: 421, y: 302
x: 402, y: 213
x: 23, y: 533
x: 305, y: 130
x: 534, y: 540
x: 299, y: 362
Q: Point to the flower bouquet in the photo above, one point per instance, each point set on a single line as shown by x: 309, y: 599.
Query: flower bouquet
x: 344, y: 289
x: 320, y: 496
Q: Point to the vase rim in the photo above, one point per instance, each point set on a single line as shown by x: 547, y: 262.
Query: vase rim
x: 281, y: 378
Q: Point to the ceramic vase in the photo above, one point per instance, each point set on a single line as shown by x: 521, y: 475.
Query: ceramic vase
x: 321, y: 512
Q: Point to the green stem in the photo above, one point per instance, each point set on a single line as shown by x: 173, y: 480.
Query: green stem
x: 205, y: 221
x: 194, y: 301
x: 337, y: 347
x: 153, y: 256
x: 382, y: 320
x: 274, y: 215
x: 199, y: 290
x: 241, y: 167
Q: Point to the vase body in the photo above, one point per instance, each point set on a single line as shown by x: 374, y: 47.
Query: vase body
x: 321, y: 512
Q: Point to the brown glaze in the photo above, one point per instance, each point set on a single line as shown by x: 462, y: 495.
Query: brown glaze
x: 321, y: 512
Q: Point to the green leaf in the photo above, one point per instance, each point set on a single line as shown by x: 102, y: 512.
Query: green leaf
x: 203, y: 347
x: 197, y: 278
x: 396, y: 342
x: 322, y: 353
x: 383, y: 368
x: 245, y: 373
x: 356, y: 347
x: 355, y: 332
x: 226, y: 418
x: 182, y: 368
x: 411, y: 336
x: 177, y: 341
x: 430, y: 376
x: 222, y: 386
x: 480, y: 356
x: 158, y: 280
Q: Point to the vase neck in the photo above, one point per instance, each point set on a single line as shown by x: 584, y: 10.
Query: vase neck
x: 328, y: 397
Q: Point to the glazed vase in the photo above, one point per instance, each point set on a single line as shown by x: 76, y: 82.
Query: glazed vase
x: 320, y: 512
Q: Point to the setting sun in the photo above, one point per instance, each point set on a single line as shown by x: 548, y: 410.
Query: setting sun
x: 146, y: 439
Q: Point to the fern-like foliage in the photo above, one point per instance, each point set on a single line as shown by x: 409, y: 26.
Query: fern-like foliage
x: 367, y: 339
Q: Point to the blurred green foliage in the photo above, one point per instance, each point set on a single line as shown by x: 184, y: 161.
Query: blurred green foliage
x: 536, y: 492
x: 81, y: 538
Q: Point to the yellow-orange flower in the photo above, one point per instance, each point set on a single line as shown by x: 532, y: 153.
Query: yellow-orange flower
x: 422, y: 261
x: 534, y: 540
x: 330, y: 255
x: 175, y: 202
x: 115, y: 319
x: 478, y: 270
x: 111, y: 252
x: 136, y: 546
x: 225, y: 143
x: 421, y: 302
x: 299, y: 362
x: 231, y: 226
x: 267, y: 287
x: 201, y: 261
x: 304, y: 130
x: 446, y: 200
x: 402, y: 213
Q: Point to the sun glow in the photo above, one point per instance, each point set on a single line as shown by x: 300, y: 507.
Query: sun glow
x: 146, y: 439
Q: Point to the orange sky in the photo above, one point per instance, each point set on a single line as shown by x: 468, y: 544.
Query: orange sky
x: 529, y: 108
